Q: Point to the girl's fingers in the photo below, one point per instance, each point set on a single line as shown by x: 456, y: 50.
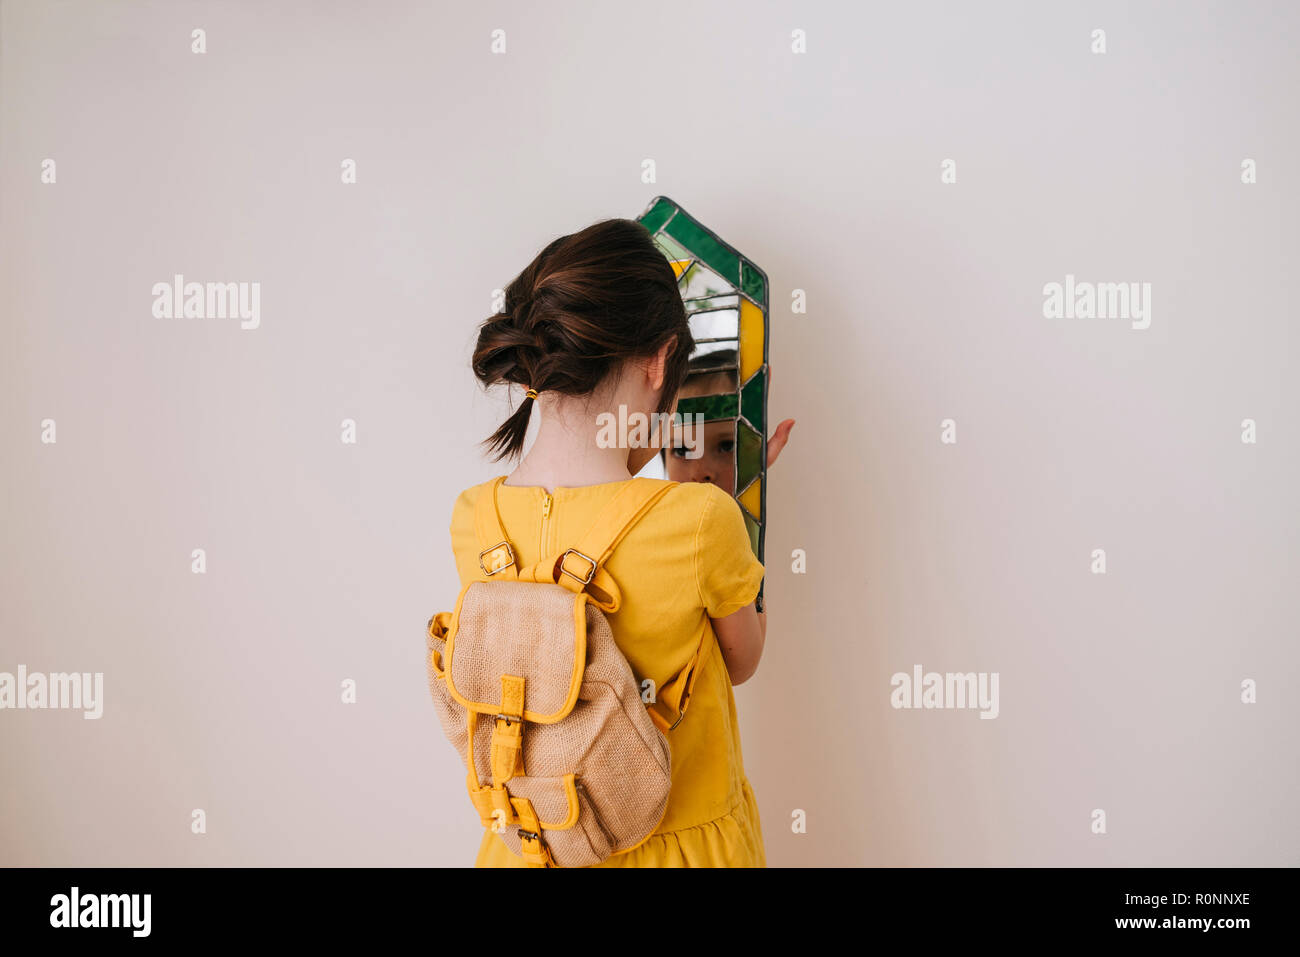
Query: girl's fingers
x: 777, y: 441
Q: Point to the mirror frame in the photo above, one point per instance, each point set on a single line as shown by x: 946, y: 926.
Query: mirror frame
x: 686, y: 242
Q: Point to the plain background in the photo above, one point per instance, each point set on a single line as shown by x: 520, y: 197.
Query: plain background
x: 222, y: 691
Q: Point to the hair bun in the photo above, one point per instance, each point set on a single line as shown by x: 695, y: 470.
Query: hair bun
x: 520, y: 311
x: 586, y: 303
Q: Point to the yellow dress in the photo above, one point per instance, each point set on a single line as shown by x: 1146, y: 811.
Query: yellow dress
x: 687, y: 560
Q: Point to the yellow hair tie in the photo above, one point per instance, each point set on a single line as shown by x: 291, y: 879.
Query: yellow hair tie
x: 530, y: 394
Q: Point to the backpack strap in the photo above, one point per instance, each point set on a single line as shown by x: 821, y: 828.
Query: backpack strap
x: 497, y: 559
x: 582, y: 567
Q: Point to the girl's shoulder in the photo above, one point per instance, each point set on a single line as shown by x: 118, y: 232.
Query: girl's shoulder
x: 699, y: 513
x: 686, y: 505
x: 727, y: 573
x: 463, y: 510
x: 704, y: 496
x: 695, y: 500
x: 469, y: 496
x: 688, y: 495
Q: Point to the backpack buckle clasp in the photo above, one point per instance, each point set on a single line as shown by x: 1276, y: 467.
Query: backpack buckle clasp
x: 500, y: 568
x: 590, y: 574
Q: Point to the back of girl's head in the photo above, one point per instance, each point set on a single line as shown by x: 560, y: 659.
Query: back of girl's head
x: 587, y: 303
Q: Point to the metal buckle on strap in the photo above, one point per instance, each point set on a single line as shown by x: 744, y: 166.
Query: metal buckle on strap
x: 681, y: 710
x: 587, y: 558
x: 507, y: 718
x: 509, y: 551
x: 529, y: 835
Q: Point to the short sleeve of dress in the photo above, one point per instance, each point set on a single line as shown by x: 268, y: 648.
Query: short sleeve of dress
x: 464, y: 536
x: 726, y: 569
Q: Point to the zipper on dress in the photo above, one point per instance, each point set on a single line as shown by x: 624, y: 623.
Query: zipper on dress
x: 546, y: 516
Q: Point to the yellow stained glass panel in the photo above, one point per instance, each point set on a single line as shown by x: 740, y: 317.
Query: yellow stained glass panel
x: 752, y: 498
x: 751, y: 339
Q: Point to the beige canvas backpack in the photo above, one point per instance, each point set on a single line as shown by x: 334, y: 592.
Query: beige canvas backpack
x: 565, y: 759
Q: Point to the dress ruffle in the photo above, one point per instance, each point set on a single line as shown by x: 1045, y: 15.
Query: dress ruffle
x: 733, y: 840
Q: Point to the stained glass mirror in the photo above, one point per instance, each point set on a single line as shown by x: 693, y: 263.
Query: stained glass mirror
x: 726, y: 300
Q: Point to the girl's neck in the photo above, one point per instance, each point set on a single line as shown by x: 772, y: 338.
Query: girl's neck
x: 565, y: 452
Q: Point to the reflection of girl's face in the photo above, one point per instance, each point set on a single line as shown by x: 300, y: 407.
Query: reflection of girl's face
x: 717, y: 464
x: 717, y: 440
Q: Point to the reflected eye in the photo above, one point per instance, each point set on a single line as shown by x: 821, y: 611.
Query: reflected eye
x: 726, y: 446
x: 680, y: 451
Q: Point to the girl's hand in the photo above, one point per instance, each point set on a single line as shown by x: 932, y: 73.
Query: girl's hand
x: 777, y: 442
x: 782, y: 434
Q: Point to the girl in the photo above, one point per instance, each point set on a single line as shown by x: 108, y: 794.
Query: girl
x: 596, y: 322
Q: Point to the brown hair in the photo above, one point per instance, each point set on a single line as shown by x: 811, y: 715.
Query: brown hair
x: 586, y: 304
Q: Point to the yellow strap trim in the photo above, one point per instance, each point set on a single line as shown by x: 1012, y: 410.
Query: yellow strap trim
x: 535, y: 851
x: 672, y: 698
x: 512, y: 695
x: 508, y: 733
x: 494, y: 545
x: 489, y: 799
x: 437, y: 630
x: 472, y: 723
x: 617, y: 518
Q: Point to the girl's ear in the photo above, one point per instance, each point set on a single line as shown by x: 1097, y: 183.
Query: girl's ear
x: 658, y: 363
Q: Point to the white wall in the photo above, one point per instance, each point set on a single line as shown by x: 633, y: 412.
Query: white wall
x: 1117, y: 691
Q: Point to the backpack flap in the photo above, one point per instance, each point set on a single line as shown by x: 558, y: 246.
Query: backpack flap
x: 532, y: 633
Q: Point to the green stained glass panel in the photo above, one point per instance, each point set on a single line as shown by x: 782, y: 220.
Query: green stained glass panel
x: 715, y: 255
x: 751, y: 400
x: 749, y: 455
x: 658, y: 214
x: 752, y: 527
x: 751, y: 281
x: 712, y: 407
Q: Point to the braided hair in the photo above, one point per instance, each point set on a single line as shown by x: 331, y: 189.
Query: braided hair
x: 587, y: 303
